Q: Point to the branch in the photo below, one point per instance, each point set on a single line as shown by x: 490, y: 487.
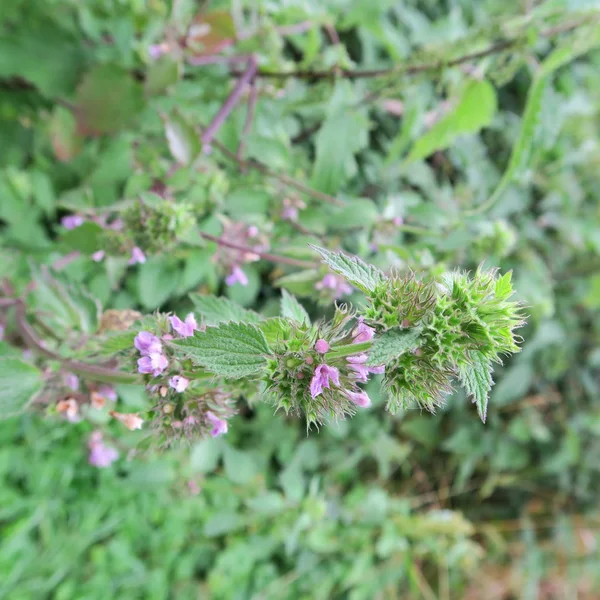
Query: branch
x: 93, y: 372
x: 274, y: 258
x: 249, y: 118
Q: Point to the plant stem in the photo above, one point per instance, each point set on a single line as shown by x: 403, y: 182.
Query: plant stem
x: 274, y: 258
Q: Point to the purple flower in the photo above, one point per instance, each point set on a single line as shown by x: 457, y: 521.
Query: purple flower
x: 71, y: 381
x: 336, y: 284
x: 321, y: 346
x: 219, y: 425
x: 2, y: 329
x: 363, y: 333
x: 101, y: 456
x: 154, y: 363
x: 360, y: 398
x: 357, y: 364
x: 108, y: 392
x: 98, y: 256
x: 323, y: 374
x: 147, y: 343
x: 157, y: 50
x: 137, y: 256
x: 179, y: 383
x: 289, y: 213
x: 397, y: 221
x: 184, y: 328
x: 71, y: 221
x: 236, y: 276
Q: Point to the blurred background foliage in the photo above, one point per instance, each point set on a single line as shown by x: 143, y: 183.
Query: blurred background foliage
x: 474, y: 147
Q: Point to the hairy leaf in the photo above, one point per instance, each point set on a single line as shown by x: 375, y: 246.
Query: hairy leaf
x: 215, y: 310
x: 183, y: 141
x: 19, y: 382
x: 353, y: 269
x: 474, y: 109
x: 392, y: 344
x: 233, y: 350
x: 292, y: 309
x: 476, y: 378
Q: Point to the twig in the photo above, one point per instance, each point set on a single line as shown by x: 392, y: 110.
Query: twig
x: 274, y: 258
x: 249, y: 118
x: 230, y: 102
x: 93, y: 372
x: 253, y: 163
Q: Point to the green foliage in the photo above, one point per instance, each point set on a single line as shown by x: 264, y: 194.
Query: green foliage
x: 392, y: 344
x: 215, y: 310
x: 19, y: 383
x: 292, y: 309
x: 232, y: 349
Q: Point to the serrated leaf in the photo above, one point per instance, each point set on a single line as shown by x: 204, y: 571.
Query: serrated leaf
x: 274, y: 329
x: 108, y: 100
x: 85, y: 238
x: 474, y: 109
x: 215, y: 310
x: 503, y: 287
x: 476, y: 378
x: 19, y: 382
x: 233, y: 350
x: 392, y: 344
x: 118, y: 342
x: 364, y: 276
x: 292, y: 309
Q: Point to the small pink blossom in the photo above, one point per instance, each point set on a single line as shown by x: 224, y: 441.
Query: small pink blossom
x: 137, y: 256
x: 131, y: 420
x: 108, y: 392
x: 363, y: 333
x: 157, y: 50
x: 2, y: 330
x: 72, y: 221
x: 154, y: 363
x: 289, y: 213
x: 336, y: 284
x: 184, y: 328
x: 71, y: 381
x: 219, y: 425
x: 100, y: 456
x: 321, y: 346
x: 70, y: 409
x: 179, y: 383
x: 147, y: 343
x: 98, y: 256
x: 252, y: 231
x: 321, y: 378
x: 360, y: 398
x: 362, y: 371
x: 397, y: 221
x: 236, y: 276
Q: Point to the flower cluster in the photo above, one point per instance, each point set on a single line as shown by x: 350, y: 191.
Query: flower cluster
x: 316, y: 371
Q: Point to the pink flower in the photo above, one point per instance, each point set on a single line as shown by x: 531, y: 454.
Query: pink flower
x: 72, y: 221
x: 363, y: 333
x: 157, y: 50
x: 184, y: 328
x: 98, y: 256
x: 100, y: 456
x: 289, y: 213
x: 397, y: 221
x: 137, y: 256
x: 321, y: 346
x: 154, y: 363
x: 70, y: 409
x: 131, y: 420
x: 336, y: 284
x: 236, y: 276
x: 219, y: 425
x: 147, y: 343
x: 323, y: 374
x: 357, y: 364
x: 2, y: 329
x: 252, y: 231
x: 108, y: 392
x: 360, y: 398
x: 71, y: 381
x: 179, y: 383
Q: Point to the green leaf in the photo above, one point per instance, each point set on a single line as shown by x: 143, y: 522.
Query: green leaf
x: 353, y: 269
x: 274, y: 329
x: 474, y: 109
x: 108, y: 100
x: 292, y: 309
x: 183, y: 140
x: 233, y: 350
x: 162, y: 74
x: 522, y: 150
x: 239, y: 465
x: 392, y: 344
x: 85, y: 238
x: 301, y: 283
x: 215, y: 310
x: 205, y: 455
x: 158, y: 278
x: 503, y: 289
x: 476, y: 378
x: 19, y: 382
